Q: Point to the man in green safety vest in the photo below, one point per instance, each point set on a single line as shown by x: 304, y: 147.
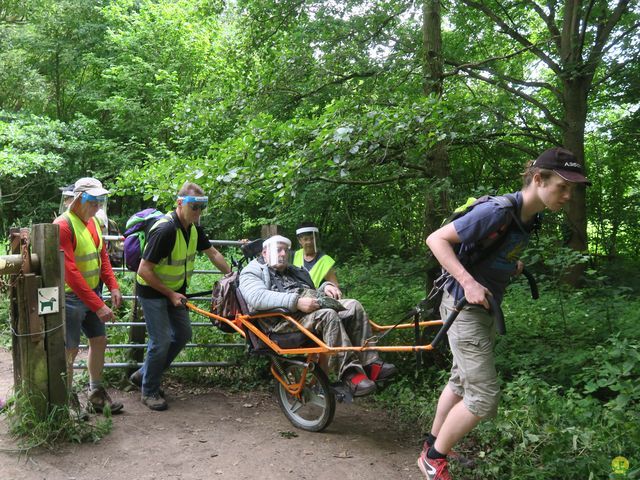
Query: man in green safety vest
x: 318, y: 264
x: 161, y: 284
x: 86, y: 264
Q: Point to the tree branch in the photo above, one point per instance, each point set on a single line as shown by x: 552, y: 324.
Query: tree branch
x: 613, y: 71
x: 506, y: 78
x: 528, y: 98
x: 337, y: 81
x: 620, y: 37
x: 549, y: 20
x: 605, y: 31
x: 585, y: 22
x: 514, y: 34
x: 482, y: 62
x: 368, y: 182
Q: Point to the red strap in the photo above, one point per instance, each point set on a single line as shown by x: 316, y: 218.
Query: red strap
x: 375, y: 371
x: 357, y: 378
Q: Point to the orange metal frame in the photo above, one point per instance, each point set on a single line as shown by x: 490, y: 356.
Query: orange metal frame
x: 246, y: 321
x: 295, y: 389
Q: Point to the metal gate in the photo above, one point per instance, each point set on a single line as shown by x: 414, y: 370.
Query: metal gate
x: 137, y: 332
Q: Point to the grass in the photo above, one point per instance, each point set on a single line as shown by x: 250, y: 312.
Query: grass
x: 60, y: 423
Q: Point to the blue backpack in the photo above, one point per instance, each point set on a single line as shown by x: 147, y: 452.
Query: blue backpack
x: 138, y: 226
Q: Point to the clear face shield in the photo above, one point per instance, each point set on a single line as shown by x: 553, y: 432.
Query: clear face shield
x: 307, y: 236
x: 101, y: 215
x: 195, y: 203
x: 276, y: 251
x: 65, y: 200
x: 83, y: 198
x: 99, y: 201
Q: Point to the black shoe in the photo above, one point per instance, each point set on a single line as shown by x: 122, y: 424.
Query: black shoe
x: 379, y: 371
x: 136, y: 379
x: 154, y: 402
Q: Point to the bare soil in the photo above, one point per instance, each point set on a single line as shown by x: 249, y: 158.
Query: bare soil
x: 214, y: 434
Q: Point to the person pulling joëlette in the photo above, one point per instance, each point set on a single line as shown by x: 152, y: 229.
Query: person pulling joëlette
x: 473, y: 390
x: 161, y: 284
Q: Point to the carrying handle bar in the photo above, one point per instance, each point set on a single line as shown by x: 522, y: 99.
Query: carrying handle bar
x: 494, y: 309
x: 533, y: 286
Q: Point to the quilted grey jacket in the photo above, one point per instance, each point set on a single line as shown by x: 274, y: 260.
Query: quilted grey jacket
x: 255, y: 287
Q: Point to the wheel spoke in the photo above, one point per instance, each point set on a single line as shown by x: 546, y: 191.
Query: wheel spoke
x: 318, y: 400
x: 295, y: 406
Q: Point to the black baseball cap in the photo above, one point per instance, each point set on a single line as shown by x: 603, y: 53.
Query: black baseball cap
x: 564, y: 163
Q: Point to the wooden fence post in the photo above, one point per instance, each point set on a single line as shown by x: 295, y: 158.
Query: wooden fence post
x: 38, y: 341
x: 269, y: 231
x: 45, y: 245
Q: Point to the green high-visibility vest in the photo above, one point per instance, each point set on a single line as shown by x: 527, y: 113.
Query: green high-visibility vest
x: 86, y: 253
x: 177, y: 268
x: 319, y: 270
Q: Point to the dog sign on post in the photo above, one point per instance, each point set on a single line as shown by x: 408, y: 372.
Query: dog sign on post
x: 48, y: 300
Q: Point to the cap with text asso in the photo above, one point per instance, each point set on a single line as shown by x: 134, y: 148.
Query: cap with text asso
x: 564, y: 163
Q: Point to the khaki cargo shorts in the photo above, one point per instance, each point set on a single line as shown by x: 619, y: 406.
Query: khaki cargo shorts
x: 473, y: 373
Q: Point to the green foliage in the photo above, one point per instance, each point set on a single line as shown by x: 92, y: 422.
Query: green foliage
x: 5, y: 325
x: 543, y: 431
x: 29, y: 145
x: 285, y: 110
x: 60, y: 424
x: 388, y: 286
x: 614, y: 375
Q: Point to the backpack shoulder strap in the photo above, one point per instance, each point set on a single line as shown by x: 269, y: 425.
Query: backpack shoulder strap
x: 510, y: 203
x: 480, y: 252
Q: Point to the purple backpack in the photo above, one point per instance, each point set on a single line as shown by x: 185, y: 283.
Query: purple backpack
x: 138, y: 226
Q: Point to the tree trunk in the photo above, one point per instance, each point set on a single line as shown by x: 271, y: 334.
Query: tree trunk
x: 575, y: 94
x: 436, y: 201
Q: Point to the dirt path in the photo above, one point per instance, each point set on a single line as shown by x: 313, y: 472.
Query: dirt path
x: 218, y: 435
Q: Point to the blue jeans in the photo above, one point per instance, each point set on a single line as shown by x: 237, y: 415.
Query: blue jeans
x: 169, y: 330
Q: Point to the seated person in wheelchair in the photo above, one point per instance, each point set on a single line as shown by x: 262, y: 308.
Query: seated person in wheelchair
x: 269, y: 282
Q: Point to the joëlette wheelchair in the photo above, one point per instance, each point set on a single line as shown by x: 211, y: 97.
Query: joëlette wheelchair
x: 303, y: 390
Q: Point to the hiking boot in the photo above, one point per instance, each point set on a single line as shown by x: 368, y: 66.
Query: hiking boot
x: 136, y: 379
x: 379, y: 371
x: 433, y: 469
x: 359, y: 384
x: 99, y: 400
x: 154, y: 401
x: 76, y: 409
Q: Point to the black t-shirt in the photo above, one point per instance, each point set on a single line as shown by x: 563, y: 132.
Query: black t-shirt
x: 309, y: 265
x: 160, y: 242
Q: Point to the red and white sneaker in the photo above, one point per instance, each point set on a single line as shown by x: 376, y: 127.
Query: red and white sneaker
x: 359, y: 384
x: 379, y: 371
x: 433, y: 469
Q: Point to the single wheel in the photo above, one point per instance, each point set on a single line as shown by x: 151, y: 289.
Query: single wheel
x: 314, y: 408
